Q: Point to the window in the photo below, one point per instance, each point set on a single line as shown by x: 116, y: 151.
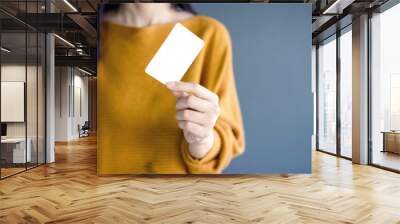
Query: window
x: 394, y: 102
x: 346, y: 92
x: 385, y: 89
x: 327, y: 95
x: 333, y: 77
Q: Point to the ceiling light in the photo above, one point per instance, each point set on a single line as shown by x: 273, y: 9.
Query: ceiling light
x: 79, y: 51
x: 5, y: 50
x: 329, y: 9
x: 84, y: 71
x: 70, y: 5
x: 65, y: 41
x: 338, y: 6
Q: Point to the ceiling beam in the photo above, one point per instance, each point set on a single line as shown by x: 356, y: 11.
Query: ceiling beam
x: 86, y: 27
x: 82, y: 61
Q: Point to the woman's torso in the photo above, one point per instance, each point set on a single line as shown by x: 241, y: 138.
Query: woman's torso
x: 138, y: 132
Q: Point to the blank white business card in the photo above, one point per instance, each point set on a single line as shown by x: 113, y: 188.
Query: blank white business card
x: 175, y: 55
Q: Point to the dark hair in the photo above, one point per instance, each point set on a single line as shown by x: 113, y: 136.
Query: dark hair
x: 187, y: 7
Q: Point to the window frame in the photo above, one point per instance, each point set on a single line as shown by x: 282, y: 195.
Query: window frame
x: 339, y: 32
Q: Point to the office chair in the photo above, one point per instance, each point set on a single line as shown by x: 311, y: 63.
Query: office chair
x: 84, y: 130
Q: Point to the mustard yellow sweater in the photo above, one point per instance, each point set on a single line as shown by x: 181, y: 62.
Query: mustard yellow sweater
x: 137, y: 128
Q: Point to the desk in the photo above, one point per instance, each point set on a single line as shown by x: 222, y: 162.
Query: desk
x: 391, y: 141
x: 13, y: 150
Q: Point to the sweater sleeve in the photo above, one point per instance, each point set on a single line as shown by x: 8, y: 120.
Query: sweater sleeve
x: 217, y: 76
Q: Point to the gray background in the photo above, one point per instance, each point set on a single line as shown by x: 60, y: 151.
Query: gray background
x: 272, y: 62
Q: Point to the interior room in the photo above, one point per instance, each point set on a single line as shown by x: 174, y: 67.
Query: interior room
x: 22, y: 101
x: 385, y: 93
x: 49, y: 127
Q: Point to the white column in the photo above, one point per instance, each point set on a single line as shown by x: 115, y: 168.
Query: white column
x: 50, y: 93
x: 50, y: 110
x: 360, y: 90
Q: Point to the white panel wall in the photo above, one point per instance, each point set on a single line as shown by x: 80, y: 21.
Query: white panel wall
x: 12, y: 101
x: 62, y: 81
x: 71, y: 102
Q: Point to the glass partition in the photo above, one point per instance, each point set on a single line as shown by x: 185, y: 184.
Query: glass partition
x: 327, y: 95
x: 14, y: 145
x: 22, y: 91
x: 35, y: 89
x: 31, y: 100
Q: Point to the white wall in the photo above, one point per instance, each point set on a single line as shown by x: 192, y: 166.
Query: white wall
x: 71, y: 93
x: 13, y: 101
x: 81, y: 102
x: 62, y: 82
x: 12, y: 73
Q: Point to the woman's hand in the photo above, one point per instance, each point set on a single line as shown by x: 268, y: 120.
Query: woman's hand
x: 197, y: 110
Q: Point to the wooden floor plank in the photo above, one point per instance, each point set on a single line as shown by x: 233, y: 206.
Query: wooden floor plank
x: 69, y: 191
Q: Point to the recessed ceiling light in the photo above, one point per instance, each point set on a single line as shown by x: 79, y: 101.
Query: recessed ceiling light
x: 70, y: 5
x: 337, y: 7
x: 65, y: 41
x: 84, y: 71
x: 5, y: 50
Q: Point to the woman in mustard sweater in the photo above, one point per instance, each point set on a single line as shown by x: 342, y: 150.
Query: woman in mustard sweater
x: 192, y: 126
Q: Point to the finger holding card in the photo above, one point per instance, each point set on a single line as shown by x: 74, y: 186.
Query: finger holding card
x: 193, y: 88
x: 197, y: 112
x: 195, y: 97
x: 198, y: 99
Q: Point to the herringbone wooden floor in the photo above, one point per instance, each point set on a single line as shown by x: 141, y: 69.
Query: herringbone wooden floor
x: 70, y: 192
